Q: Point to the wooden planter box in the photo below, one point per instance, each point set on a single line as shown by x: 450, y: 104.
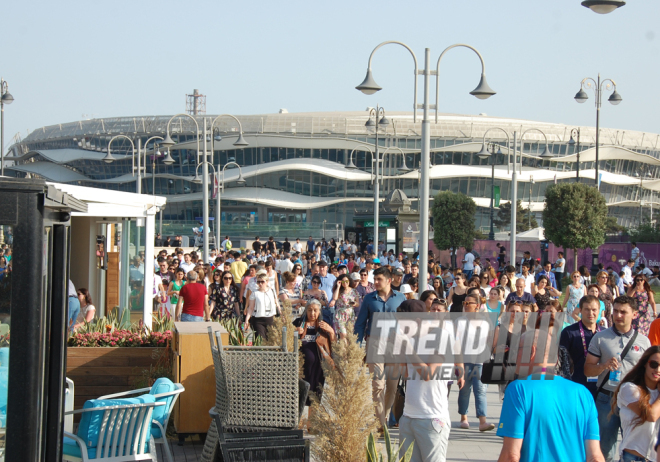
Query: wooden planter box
x: 98, y: 371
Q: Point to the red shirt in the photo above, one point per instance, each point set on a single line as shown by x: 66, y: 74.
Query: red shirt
x: 193, y: 299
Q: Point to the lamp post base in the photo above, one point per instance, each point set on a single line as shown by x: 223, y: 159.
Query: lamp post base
x: 491, y: 236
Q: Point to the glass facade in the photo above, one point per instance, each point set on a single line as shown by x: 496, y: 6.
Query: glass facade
x: 318, y: 140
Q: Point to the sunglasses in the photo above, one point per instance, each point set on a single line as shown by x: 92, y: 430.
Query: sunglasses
x: 654, y: 364
x: 639, y: 280
x: 227, y: 279
x: 345, y: 281
x: 315, y: 282
x: 217, y: 275
x: 261, y: 282
x: 516, y: 302
x: 470, y: 303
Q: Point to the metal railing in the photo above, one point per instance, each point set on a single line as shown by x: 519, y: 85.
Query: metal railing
x: 248, y: 231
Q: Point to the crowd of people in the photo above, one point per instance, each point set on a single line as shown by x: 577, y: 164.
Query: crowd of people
x: 608, y: 328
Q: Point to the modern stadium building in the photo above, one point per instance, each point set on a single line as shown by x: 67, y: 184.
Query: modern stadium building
x: 298, y: 167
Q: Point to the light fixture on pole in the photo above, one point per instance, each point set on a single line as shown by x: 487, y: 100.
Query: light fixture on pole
x: 485, y: 154
x: 603, y: 6
x: 517, y: 167
x: 239, y: 143
x: 483, y: 91
x: 5, y: 98
x: 221, y: 188
x: 575, y: 142
x: 615, y: 98
x: 168, y: 142
x: 378, y: 119
x: 109, y: 158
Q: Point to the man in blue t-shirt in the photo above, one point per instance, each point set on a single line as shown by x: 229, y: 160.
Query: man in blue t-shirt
x: 545, y: 417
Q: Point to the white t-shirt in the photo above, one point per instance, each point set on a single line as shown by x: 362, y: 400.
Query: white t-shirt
x: 427, y: 399
x: 469, y: 262
x: 642, y: 437
x: 560, y: 265
x: 297, y: 247
x: 186, y: 266
x: 647, y: 272
x: 529, y: 280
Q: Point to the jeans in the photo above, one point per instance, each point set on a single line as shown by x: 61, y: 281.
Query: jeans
x: 185, y: 317
x: 627, y: 457
x: 392, y: 420
x: 558, y: 278
x: 610, y: 425
x: 74, y: 310
x: 473, y: 381
x: 328, y: 315
x: 429, y: 443
x: 468, y: 274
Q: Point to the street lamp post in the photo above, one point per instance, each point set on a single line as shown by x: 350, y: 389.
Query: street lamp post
x: 221, y: 188
x: 168, y: 142
x: 581, y: 96
x: 603, y: 6
x: 239, y: 143
x: 483, y: 91
x: 529, y: 206
x: 5, y: 98
x: 514, y: 183
x: 575, y: 141
x: 378, y: 120
x: 484, y: 154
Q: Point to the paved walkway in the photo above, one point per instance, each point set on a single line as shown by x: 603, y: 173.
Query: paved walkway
x: 464, y: 445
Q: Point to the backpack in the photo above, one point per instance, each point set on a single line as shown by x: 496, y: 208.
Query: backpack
x: 228, y: 245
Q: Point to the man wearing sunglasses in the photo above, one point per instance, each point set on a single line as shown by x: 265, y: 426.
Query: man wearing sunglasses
x: 602, y: 355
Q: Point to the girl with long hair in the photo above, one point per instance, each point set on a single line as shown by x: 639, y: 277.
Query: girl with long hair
x: 346, y: 300
x: 457, y: 294
x: 636, y: 402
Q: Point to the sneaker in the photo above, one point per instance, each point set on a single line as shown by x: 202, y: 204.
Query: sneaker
x: 486, y: 427
x: 465, y: 424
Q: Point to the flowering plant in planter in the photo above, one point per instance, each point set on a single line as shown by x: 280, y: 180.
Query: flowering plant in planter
x: 120, y: 338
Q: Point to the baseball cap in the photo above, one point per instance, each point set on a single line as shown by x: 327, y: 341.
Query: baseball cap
x: 405, y: 289
x: 354, y: 276
x: 397, y: 272
x: 377, y: 260
x: 262, y: 271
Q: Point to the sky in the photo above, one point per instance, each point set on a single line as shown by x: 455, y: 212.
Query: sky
x: 71, y: 60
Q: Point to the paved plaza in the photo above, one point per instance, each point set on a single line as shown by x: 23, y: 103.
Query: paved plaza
x: 463, y: 444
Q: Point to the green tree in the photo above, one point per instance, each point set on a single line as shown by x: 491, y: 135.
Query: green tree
x: 453, y: 221
x: 612, y: 227
x: 574, y: 216
x: 645, y: 232
x: 523, y: 217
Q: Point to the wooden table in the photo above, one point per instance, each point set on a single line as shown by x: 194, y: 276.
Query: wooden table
x: 193, y: 368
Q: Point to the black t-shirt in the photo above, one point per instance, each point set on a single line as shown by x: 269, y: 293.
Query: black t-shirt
x: 397, y: 288
x: 271, y: 246
x: 256, y: 246
x: 176, y: 243
x: 286, y: 246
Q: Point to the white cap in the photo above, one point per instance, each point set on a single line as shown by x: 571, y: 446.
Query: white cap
x: 405, y: 289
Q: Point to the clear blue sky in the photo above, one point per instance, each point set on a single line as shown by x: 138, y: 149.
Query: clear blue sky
x: 140, y: 57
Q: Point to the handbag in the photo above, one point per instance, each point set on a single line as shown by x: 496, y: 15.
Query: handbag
x: 487, y: 373
x: 399, y: 399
